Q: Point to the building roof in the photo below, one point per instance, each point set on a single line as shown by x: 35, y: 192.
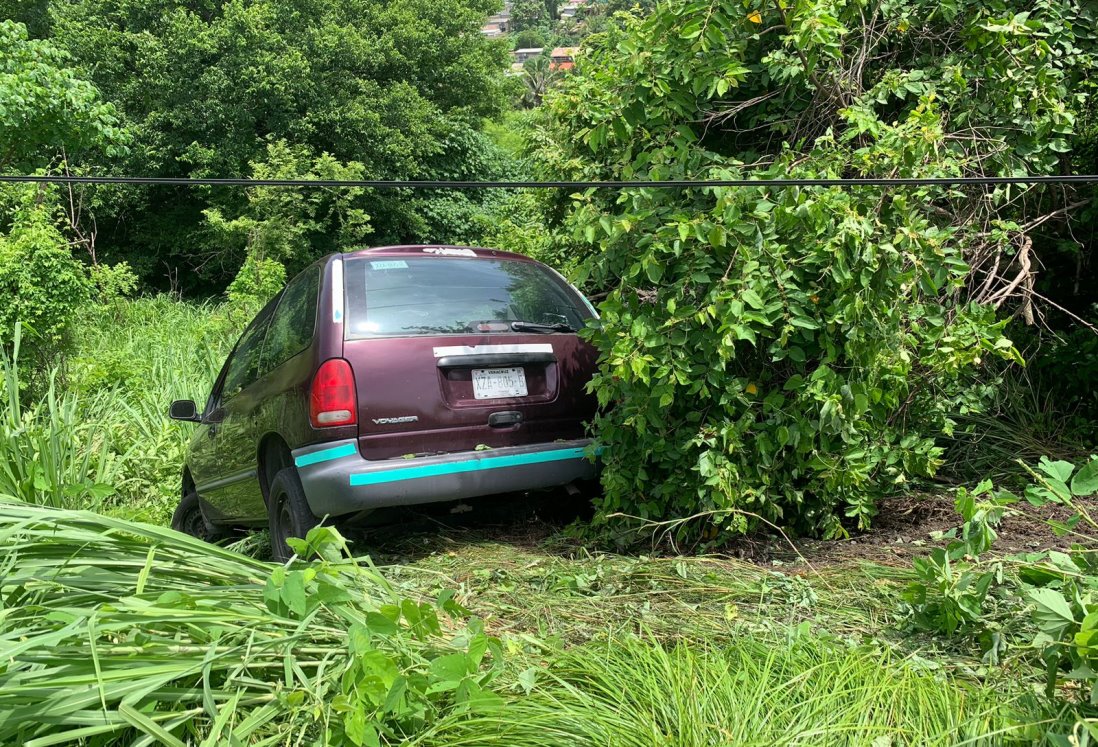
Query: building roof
x: 562, y: 58
x: 530, y: 50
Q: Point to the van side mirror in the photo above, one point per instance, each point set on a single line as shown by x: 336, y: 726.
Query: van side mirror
x: 184, y: 409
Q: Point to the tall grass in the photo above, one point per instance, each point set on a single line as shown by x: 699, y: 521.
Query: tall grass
x: 126, y: 633
x: 1026, y: 418
x: 130, y: 362
x: 49, y: 452
x: 632, y: 692
x: 92, y: 430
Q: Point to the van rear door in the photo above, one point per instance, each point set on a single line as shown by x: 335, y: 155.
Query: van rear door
x: 456, y: 353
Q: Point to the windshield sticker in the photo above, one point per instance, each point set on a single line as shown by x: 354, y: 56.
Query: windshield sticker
x: 389, y: 264
x: 446, y: 251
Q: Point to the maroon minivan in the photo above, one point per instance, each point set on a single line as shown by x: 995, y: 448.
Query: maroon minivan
x: 387, y: 377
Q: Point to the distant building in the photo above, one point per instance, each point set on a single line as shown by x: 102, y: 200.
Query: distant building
x: 563, y: 58
x: 572, y: 7
x: 498, y: 24
x: 522, y: 55
x: 517, y: 68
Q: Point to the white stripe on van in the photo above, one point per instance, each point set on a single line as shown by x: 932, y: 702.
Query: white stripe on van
x: 483, y: 349
x: 337, y: 292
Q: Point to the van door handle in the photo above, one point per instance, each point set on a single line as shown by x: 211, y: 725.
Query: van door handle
x: 494, y: 359
x: 504, y: 419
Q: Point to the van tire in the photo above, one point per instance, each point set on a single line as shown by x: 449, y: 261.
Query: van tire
x: 188, y: 519
x: 289, y: 513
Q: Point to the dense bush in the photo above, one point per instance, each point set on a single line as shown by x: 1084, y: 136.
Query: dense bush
x: 770, y: 350
x: 791, y: 355
x: 42, y: 285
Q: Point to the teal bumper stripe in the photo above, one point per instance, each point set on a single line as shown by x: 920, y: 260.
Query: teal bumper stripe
x: 326, y: 455
x: 470, y: 465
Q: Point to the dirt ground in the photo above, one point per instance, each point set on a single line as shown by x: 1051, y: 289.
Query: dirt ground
x: 905, y: 527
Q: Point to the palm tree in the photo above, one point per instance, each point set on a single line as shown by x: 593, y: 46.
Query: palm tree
x: 539, y: 76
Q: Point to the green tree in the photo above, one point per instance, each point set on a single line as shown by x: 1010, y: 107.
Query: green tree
x: 34, y: 14
x: 289, y: 226
x: 49, y: 118
x: 528, y: 39
x: 392, y: 85
x: 529, y: 14
x: 539, y: 75
x: 48, y: 113
x: 791, y: 355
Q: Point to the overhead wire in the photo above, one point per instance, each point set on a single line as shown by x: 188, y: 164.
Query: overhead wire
x: 533, y: 184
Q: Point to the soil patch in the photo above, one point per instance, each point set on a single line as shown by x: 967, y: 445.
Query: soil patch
x: 905, y: 527
x: 910, y: 525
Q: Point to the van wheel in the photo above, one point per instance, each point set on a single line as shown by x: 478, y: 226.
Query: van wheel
x: 188, y: 519
x: 289, y: 513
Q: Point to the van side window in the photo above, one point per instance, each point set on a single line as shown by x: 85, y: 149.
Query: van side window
x: 244, y: 367
x: 294, y: 320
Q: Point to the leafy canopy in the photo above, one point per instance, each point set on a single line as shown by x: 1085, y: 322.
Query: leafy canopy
x: 396, y: 87
x: 46, y: 111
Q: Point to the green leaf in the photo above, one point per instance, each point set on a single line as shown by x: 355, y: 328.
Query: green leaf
x: 691, y: 30
x: 1059, y: 470
x: 1085, y: 482
x: 358, y: 636
x: 527, y: 679
x: 752, y: 298
x: 293, y: 592
x: 451, y: 668
x: 380, y: 624
x: 1053, y: 614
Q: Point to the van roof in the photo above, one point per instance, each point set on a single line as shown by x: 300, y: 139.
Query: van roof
x: 437, y: 250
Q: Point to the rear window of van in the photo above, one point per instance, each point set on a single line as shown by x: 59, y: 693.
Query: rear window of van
x: 397, y: 296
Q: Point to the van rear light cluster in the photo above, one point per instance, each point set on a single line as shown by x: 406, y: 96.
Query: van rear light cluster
x: 332, y: 398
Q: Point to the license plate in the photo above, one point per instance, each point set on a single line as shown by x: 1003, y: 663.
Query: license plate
x: 495, y: 383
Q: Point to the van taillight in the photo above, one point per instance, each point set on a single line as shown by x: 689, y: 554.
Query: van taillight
x: 332, y: 399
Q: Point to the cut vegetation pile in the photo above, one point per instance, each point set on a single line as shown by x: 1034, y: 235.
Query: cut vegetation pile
x: 112, y: 628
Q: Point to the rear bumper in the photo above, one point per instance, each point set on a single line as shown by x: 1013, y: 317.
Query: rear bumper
x: 338, y: 481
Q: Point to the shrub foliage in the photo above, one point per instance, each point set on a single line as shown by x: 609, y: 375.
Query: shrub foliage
x: 791, y: 355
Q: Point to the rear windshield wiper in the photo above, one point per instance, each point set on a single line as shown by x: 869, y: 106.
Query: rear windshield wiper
x: 543, y: 328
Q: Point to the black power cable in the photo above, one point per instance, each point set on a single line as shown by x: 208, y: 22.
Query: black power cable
x: 627, y: 184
